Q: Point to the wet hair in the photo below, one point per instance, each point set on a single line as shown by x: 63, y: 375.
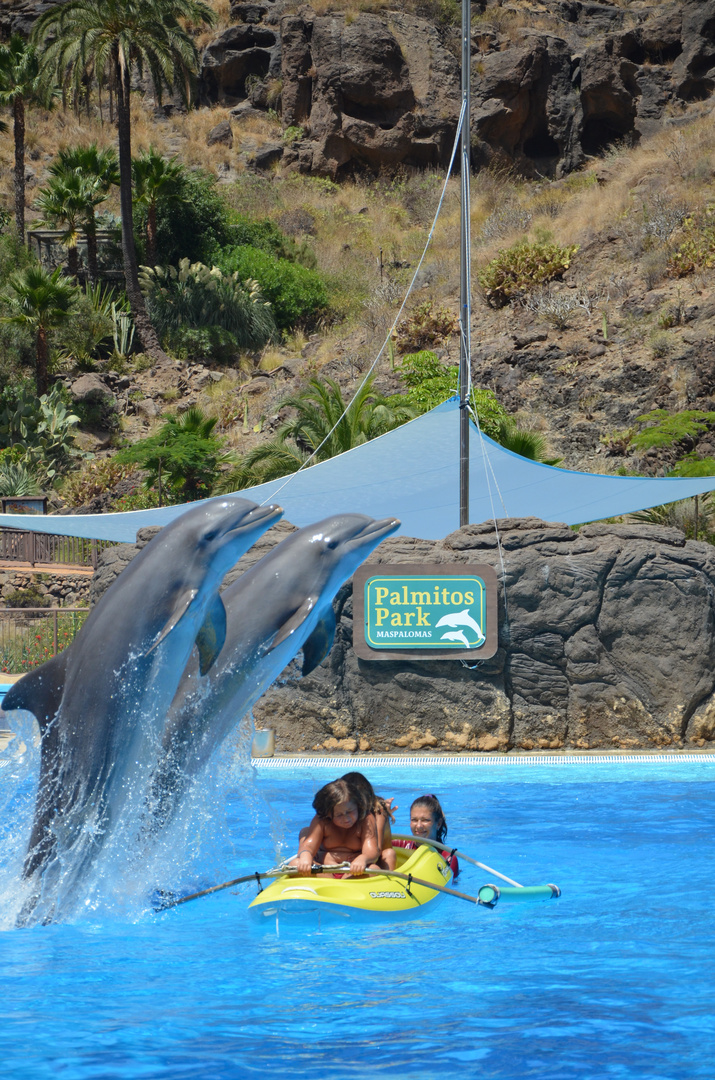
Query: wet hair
x: 365, y: 792
x: 362, y: 790
x: 335, y: 792
x: 432, y: 803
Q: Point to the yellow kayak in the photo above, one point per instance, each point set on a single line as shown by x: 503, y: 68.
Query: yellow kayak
x: 377, y: 895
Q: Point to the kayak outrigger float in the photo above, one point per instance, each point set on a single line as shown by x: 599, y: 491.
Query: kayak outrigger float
x: 380, y: 894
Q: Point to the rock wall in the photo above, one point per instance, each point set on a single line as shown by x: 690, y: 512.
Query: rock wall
x: 375, y: 92
x: 69, y: 590
x: 606, y: 639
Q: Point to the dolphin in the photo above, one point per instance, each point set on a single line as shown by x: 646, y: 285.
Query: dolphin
x: 101, y: 703
x: 283, y: 604
x: 455, y: 635
x: 461, y: 618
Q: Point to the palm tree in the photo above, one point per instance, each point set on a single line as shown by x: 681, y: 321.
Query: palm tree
x: 322, y: 427
x: 110, y: 38
x: 40, y: 301
x: 156, y: 179
x: 324, y: 423
x: 63, y: 205
x: 101, y: 169
x: 20, y: 81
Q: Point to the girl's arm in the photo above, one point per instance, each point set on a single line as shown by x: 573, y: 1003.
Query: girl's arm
x: 370, y: 850
x: 310, y: 842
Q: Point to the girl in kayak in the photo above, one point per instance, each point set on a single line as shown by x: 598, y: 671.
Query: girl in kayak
x: 384, y: 815
x: 427, y: 819
x: 342, y: 831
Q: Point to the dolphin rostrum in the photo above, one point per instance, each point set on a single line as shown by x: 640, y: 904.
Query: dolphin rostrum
x: 284, y: 603
x: 461, y: 618
x: 101, y: 703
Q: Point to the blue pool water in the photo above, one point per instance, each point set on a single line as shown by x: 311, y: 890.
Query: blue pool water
x: 615, y: 979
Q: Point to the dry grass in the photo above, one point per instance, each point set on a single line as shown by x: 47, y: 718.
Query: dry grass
x: 355, y: 221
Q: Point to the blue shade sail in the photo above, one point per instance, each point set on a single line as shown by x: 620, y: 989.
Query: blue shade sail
x: 413, y: 473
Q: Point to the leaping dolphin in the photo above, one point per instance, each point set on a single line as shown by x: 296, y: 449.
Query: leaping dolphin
x: 101, y: 703
x: 281, y: 605
x: 455, y: 635
x: 461, y: 618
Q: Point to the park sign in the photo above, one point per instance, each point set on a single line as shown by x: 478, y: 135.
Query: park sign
x: 425, y: 611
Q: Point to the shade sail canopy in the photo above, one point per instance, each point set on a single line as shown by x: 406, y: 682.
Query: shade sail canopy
x: 413, y: 473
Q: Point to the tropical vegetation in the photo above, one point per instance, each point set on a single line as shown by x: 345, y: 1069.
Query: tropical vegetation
x: 107, y: 40
x: 21, y: 81
x: 182, y: 459
x: 322, y: 425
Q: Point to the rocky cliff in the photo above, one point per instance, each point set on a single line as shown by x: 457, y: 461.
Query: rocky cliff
x: 377, y: 91
x: 606, y: 639
x: 553, y: 83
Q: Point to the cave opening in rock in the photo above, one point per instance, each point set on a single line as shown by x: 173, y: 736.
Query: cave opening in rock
x: 541, y: 145
x: 696, y: 89
x: 600, y: 133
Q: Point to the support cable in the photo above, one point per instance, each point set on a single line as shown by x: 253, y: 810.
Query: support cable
x: 396, y: 320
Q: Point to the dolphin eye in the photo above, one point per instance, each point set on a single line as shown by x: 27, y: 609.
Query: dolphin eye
x: 211, y: 536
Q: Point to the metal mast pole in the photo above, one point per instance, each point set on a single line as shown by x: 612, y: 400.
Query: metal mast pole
x: 465, y: 306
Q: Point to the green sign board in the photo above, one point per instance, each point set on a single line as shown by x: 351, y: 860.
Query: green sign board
x: 430, y: 611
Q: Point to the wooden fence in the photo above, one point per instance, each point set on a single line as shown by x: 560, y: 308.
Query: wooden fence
x: 29, y: 636
x: 21, y: 545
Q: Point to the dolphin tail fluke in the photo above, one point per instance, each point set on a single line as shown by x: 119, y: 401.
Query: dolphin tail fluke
x: 40, y: 691
x: 212, y: 635
x: 320, y: 642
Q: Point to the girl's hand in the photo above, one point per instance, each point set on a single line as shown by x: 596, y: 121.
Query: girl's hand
x: 304, y: 863
x: 357, y: 866
x: 390, y: 808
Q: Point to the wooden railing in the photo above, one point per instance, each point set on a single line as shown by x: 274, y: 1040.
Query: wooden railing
x: 29, y: 636
x: 21, y: 545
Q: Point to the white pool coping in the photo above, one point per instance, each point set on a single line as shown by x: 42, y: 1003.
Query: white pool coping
x: 467, y: 761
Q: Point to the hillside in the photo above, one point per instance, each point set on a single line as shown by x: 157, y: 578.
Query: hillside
x: 592, y: 130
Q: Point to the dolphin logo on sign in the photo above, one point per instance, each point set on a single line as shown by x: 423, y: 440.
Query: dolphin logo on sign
x: 463, y: 621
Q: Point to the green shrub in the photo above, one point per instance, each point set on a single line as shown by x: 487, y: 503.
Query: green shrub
x: 661, y: 343
x: 692, y: 465
x: 211, y: 343
x: 264, y: 234
x: 665, y: 428
x: 697, y: 250
x: 95, y: 478
x: 298, y: 295
x: 430, y: 381
x: 30, y: 596
x: 196, y: 297
x: 426, y: 327
x: 17, y: 477
x: 194, y: 225
x: 293, y: 133
x: 522, y: 267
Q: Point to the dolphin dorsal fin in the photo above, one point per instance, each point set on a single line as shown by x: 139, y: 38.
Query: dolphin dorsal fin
x: 212, y: 635
x: 40, y: 691
x: 297, y: 619
x: 320, y: 642
x: 181, y: 606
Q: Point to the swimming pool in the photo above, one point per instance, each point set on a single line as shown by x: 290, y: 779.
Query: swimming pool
x: 612, y: 980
